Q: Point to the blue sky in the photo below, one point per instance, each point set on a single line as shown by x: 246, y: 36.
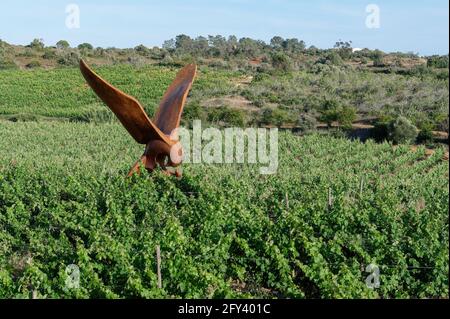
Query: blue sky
x: 405, y: 25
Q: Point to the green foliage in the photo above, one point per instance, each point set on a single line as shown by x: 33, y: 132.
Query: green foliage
x: 329, y: 116
x: 377, y: 57
x: 438, y: 61
x: 192, y: 112
x: 142, y: 50
x: 281, y: 62
x: 307, y: 123
x: 425, y: 136
x: 37, y: 44
x: 402, y: 131
x: 346, y: 116
x: 71, y: 98
x: 331, y: 58
x: 333, y: 112
x: 85, y: 46
x: 227, y: 116
x: 62, y: 44
x: 224, y: 230
x: 7, y: 64
x: 344, y: 49
x: 69, y: 59
x: 276, y: 117
x: 49, y: 54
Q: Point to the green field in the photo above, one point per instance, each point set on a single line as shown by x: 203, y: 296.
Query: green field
x: 224, y: 231
x: 64, y: 95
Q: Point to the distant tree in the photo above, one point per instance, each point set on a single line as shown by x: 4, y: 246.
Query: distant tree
x: 85, y: 46
x: 201, y: 46
x: 313, y: 51
x: 169, y: 45
x: 277, y: 42
x: 344, y: 49
x: 183, y: 43
x: 249, y: 47
x: 62, y: 44
x: 294, y: 45
x: 37, y: 44
x: 377, y: 57
x: 218, y: 45
x: 232, y: 44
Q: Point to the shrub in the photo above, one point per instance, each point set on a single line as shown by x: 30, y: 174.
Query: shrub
x: 7, y: 64
x: 402, y: 131
x: 227, y: 116
x: 380, y: 131
x: 136, y: 61
x: 436, y: 61
x: 425, y: 136
x: 142, y: 50
x: 443, y: 124
x: 332, y: 112
x: 328, y: 117
x: 331, y: 58
x: 377, y: 57
x: 69, y: 59
x: 306, y: 122
x: 49, y: 54
x: 192, y: 111
x: 346, y: 116
x: 275, y: 117
x: 167, y: 60
x: 281, y: 61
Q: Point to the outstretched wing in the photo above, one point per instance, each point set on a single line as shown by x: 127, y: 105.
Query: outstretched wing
x: 168, y: 115
x: 127, y: 109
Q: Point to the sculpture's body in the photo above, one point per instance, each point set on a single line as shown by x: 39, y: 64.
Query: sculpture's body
x: 157, y: 135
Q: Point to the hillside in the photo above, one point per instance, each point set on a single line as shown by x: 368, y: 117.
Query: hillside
x: 303, y: 97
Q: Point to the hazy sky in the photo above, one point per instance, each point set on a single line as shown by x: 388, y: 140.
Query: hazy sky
x: 405, y: 25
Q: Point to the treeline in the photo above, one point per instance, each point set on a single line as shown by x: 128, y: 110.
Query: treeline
x: 221, y: 52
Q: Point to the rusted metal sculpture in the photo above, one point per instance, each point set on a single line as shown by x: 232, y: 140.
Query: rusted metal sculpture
x: 158, y: 135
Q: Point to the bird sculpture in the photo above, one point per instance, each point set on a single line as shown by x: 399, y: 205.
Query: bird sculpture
x: 160, y: 135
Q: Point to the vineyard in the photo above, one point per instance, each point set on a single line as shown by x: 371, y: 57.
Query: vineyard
x: 310, y: 231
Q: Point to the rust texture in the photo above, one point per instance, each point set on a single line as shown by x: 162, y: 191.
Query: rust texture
x: 158, y: 135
